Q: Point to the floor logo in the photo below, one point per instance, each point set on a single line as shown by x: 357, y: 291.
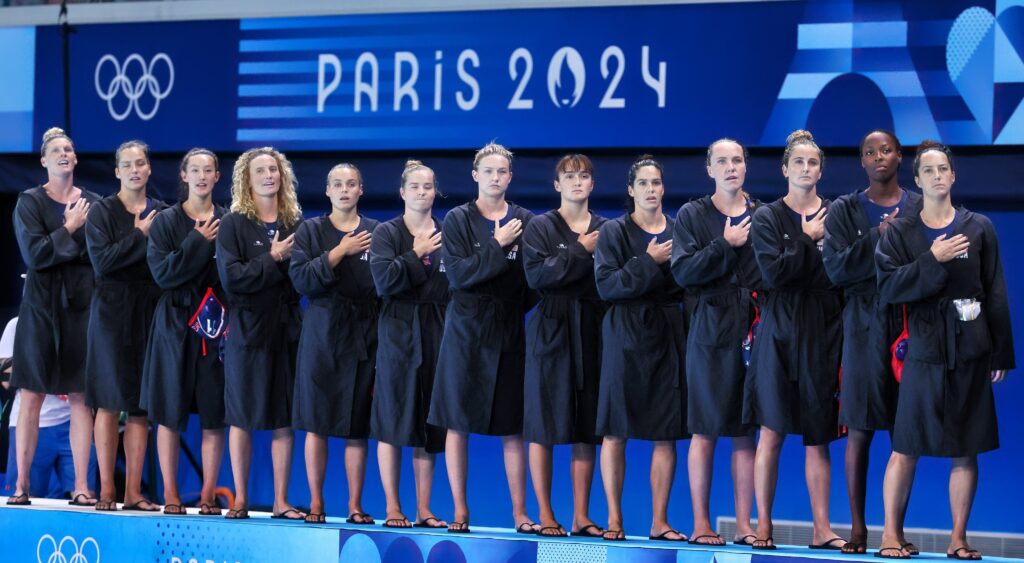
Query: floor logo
x: 67, y: 551
x: 133, y: 85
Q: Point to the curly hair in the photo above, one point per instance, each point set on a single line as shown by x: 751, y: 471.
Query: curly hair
x: 288, y: 211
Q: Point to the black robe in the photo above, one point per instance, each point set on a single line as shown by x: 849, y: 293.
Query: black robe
x: 264, y: 320
x: 415, y: 293
x: 50, y: 340
x: 338, y: 345
x: 946, y: 408
x: 183, y: 372
x: 793, y: 380
x: 720, y: 282
x: 563, y: 335
x: 643, y: 362
x: 478, y: 386
x: 122, y: 306
x: 869, y: 390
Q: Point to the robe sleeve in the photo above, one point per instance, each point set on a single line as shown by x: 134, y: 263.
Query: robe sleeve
x: 693, y: 265
x: 107, y: 253
x: 902, y: 281
x: 849, y: 258
x: 393, y: 271
x: 40, y: 248
x: 620, y: 274
x: 237, y: 274
x: 310, y: 269
x: 548, y: 266
x: 173, y: 265
x: 466, y: 265
x: 780, y: 264
x: 997, y: 306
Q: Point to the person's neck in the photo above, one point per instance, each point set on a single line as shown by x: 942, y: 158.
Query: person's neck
x: 198, y: 207
x: 652, y: 221
x: 133, y: 200
x: 266, y: 208
x: 418, y: 221
x: 731, y: 203
x: 61, y: 187
x: 492, y: 207
x: 937, y: 211
x: 886, y: 192
x: 803, y: 201
x: 575, y: 211
x: 344, y: 219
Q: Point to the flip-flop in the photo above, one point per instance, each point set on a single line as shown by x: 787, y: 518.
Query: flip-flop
x: 559, y: 531
x: 284, y: 515
x: 767, y: 546
x: 696, y: 540
x: 854, y: 548
x: 458, y: 528
x: 364, y: 519
x: 397, y: 523
x: 137, y: 506
x: 582, y: 532
x: 106, y: 505
x: 910, y: 548
x: 19, y: 500
x: 616, y: 535
x: 209, y: 510
x: 968, y: 551
x: 75, y: 502
x: 743, y: 540
x: 899, y: 553
x: 664, y: 536
x: 175, y: 509
x: 830, y: 544
x: 528, y: 529
x: 426, y: 523
x: 316, y: 518
x: 237, y: 514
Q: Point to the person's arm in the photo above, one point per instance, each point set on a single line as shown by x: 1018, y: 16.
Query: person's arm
x: 902, y: 281
x: 465, y: 264
x: 620, y: 274
x: 393, y: 271
x: 39, y: 247
x: 849, y: 256
x: 548, y: 266
x: 310, y: 271
x: 692, y: 264
x: 780, y: 264
x: 997, y: 306
x: 107, y: 252
x: 238, y: 274
x: 173, y: 265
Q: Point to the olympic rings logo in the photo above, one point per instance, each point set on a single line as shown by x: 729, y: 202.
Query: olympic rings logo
x: 134, y: 91
x: 58, y: 555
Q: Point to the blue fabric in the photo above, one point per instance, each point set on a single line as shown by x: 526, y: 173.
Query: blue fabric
x: 53, y: 469
x: 948, y: 230
x: 272, y: 229
x: 735, y: 220
x: 876, y: 213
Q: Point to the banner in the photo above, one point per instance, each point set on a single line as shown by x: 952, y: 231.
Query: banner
x: 605, y: 77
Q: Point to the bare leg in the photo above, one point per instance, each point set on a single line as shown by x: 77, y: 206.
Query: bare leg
x: 355, y: 470
x: 858, y: 443
x: 316, y: 470
x: 613, y: 473
x: 167, y: 450
x: 213, y: 453
x: 26, y: 436
x: 540, y: 472
x: 899, y: 476
x: 699, y: 462
x: 515, y: 472
x: 582, y: 468
x: 240, y: 444
x: 766, y: 479
x: 663, y: 470
x: 456, y: 453
x: 389, y: 459
x: 282, y: 442
x: 743, y: 451
x: 423, y: 464
x: 963, y: 483
x: 818, y: 472
x: 81, y: 441
x: 106, y: 451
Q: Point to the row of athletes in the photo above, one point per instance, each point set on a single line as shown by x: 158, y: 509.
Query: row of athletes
x: 429, y: 317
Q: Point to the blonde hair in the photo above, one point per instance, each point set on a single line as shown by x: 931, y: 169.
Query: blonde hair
x: 414, y: 165
x: 801, y: 137
x: 51, y: 134
x: 488, y: 150
x: 288, y: 211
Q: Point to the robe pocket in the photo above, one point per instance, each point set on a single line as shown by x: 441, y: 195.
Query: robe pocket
x: 715, y: 325
x: 464, y: 305
x: 550, y: 336
x: 925, y: 341
x: 644, y: 332
x: 973, y: 339
x: 249, y: 326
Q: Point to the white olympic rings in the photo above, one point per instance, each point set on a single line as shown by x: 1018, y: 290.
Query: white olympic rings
x: 122, y: 84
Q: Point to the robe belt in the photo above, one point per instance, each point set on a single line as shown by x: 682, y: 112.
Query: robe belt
x: 343, y: 317
x: 136, y: 310
x: 810, y: 317
x: 282, y: 307
x: 575, y: 305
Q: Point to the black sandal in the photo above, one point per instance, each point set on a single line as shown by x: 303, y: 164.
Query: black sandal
x: 19, y: 500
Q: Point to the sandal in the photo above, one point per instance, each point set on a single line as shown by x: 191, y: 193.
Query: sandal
x: 830, y: 544
x: 285, y: 515
x: 697, y: 540
x: 964, y: 553
x: 106, y: 505
x: 910, y: 548
x: 175, y: 509
x: 19, y: 500
x: 552, y: 531
x: 616, y: 535
x: 458, y: 528
x: 664, y: 536
x: 764, y: 544
x: 316, y: 518
x: 76, y: 502
x: 854, y: 548
x: 426, y: 523
x: 528, y: 529
x: 209, y: 510
x: 237, y: 514
x: 881, y: 553
x: 397, y: 523
x: 141, y: 506
x: 743, y: 540
x: 360, y: 518
x: 582, y: 532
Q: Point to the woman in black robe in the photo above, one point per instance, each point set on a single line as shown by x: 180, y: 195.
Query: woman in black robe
x: 117, y: 234
x: 254, y: 244
x: 183, y: 372
x: 478, y: 387
x: 713, y: 260
x: 794, y: 366
x: 868, y: 394
x: 563, y: 343
x: 330, y: 265
x: 642, y: 393
x: 943, y: 264
x: 405, y: 259
x: 50, y: 340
